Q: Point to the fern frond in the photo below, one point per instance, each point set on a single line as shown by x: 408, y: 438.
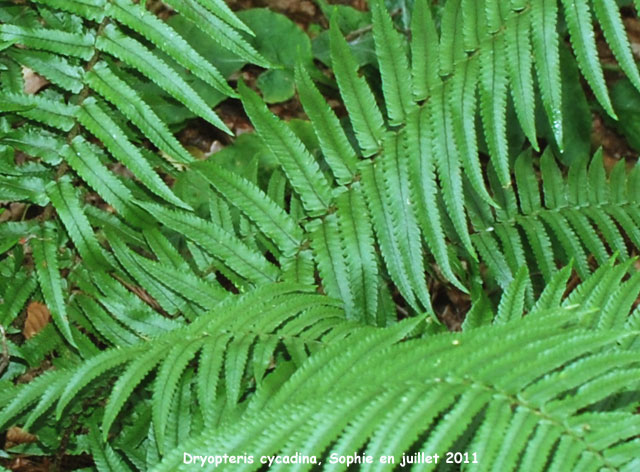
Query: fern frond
x: 462, y: 100
x: 218, y: 30
x: 23, y: 187
x: 136, y: 55
x: 578, y: 16
x: 451, y: 48
x: 424, y: 50
x: 608, y: 16
x: 518, y: 46
x: 31, y: 394
x: 296, y: 161
x: 277, y: 297
x: 15, y: 296
x: 58, y: 69
x: 357, y: 236
x: 272, y: 220
x: 329, y: 255
x: 58, y: 41
x: 578, y: 215
x: 544, y: 17
x: 113, y: 331
x: 167, y: 39
x: 102, y: 79
x: 493, y: 106
x: 166, y: 383
x: 136, y: 370
x: 45, y: 248
x: 512, y: 302
x: 364, y: 113
x: 471, y: 395
x: 221, y: 10
x: 134, y: 265
x: 65, y: 201
x: 125, y: 307
x: 424, y: 188
x: 94, y: 118
x: 106, y: 459
x: 219, y: 243
x: 242, y: 331
x: 83, y: 157
x: 391, y: 238
x: 38, y: 108
x: 447, y: 159
x: 91, y: 9
x: 333, y: 141
x: 36, y: 142
x: 393, y: 62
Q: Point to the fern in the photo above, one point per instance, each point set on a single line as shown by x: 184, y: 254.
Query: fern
x: 286, y: 294
x: 235, y: 339
x: 574, y: 220
x: 468, y: 381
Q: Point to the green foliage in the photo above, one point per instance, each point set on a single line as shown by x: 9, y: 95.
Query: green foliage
x: 285, y: 294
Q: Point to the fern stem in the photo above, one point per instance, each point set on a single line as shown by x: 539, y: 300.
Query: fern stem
x: 64, y: 442
x: 365, y: 29
x: 4, y: 354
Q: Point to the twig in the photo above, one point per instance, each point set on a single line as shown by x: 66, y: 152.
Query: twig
x: 365, y: 29
x: 4, y: 354
x: 64, y: 443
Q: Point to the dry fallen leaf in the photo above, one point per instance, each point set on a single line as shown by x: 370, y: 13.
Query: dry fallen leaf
x: 32, y: 81
x: 16, y: 436
x: 38, y: 316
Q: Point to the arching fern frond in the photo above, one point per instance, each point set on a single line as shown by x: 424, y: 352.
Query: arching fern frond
x: 237, y: 342
x: 586, y: 213
x: 550, y: 373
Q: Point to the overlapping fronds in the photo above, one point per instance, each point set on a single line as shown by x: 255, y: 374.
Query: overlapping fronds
x: 79, y: 56
x: 547, y: 384
x: 279, y: 296
x: 236, y: 342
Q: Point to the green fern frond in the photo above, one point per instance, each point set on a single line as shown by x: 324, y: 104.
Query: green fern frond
x: 43, y: 110
x: 578, y: 216
x: 393, y: 65
x: 102, y: 79
x: 65, y: 201
x: 219, y: 243
x: 471, y: 394
x: 218, y: 30
x: 58, y: 41
x: 301, y: 169
x: 234, y: 332
x: 333, y: 140
x: 45, y: 257
x: 289, y: 293
x: 272, y: 220
x: 424, y: 50
x: 91, y: 9
x: 357, y: 236
x: 329, y: 255
x: 136, y: 55
x: 84, y: 158
x: 364, y: 114
x: 163, y: 36
x: 94, y: 118
x: 578, y: 17
x: 55, y: 68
